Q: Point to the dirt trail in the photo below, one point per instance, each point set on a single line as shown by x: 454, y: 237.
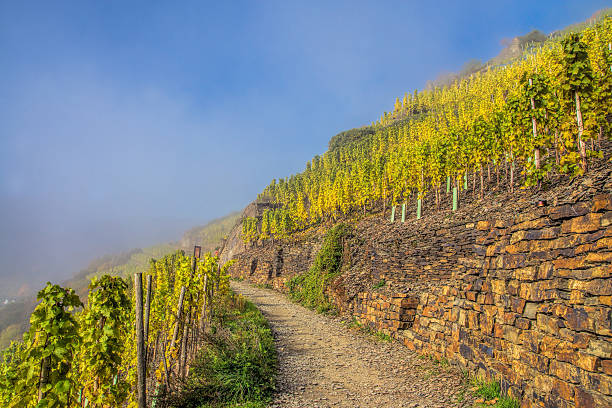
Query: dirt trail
x: 323, y: 363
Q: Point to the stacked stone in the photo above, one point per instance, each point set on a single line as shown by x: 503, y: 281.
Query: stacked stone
x: 537, y: 313
x: 387, y: 314
x: 273, y: 264
x: 506, y: 289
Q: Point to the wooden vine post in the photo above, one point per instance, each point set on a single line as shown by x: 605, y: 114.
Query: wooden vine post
x: 536, y: 152
x: 147, y: 312
x: 210, y: 297
x: 140, y: 353
x: 178, y: 318
x: 403, y: 212
x: 204, y: 304
x: 581, y: 144
x: 44, y: 375
x: 182, y: 364
x: 195, y: 331
x: 184, y: 341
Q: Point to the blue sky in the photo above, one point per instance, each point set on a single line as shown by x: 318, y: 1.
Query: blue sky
x: 123, y: 123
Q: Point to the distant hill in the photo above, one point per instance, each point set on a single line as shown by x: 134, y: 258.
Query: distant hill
x: 209, y: 236
x: 14, y: 316
x: 594, y: 19
x: 514, y: 48
x: 123, y: 264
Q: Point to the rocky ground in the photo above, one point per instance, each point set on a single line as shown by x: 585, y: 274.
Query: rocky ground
x: 325, y: 363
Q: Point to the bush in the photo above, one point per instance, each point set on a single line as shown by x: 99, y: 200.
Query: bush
x: 309, y: 287
x: 350, y: 136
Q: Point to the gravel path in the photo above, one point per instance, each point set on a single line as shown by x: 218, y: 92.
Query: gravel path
x: 324, y: 363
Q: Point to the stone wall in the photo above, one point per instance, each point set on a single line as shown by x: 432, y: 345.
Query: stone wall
x: 534, y: 310
x: 272, y: 264
x: 502, y: 287
x: 388, y: 314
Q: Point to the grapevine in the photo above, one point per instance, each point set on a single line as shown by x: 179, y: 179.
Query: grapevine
x: 543, y: 114
x: 104, y: 327
x: 44, y: 376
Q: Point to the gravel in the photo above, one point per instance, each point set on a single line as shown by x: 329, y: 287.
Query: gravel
x: 325, y: 363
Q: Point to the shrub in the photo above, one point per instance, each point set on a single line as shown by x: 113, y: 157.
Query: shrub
x: 309, y: 288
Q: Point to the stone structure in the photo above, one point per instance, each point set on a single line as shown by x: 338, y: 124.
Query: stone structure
x: 503, y: 287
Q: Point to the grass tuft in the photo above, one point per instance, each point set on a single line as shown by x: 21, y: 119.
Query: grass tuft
x: 486, y: 389
x: 379, y: 284
x: 376, y: 335
x: 507, y: 402
x: 491, y: 390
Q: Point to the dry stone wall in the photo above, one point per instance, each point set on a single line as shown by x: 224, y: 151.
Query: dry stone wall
x: 388, y: 314
x: 504, y: 288
x: 271, y: 264
x: 534, y: 310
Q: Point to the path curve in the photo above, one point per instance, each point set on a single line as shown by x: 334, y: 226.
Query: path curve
x: 324, y: 363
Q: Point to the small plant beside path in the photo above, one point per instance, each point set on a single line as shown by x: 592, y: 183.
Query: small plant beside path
x: 490, y: 394
x: 236, y: 364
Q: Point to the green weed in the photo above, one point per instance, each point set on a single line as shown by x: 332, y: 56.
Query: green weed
x: 354, y: 324
x: 490, y: 390
x: 382, y: 336
x: 486, y: 389
x: 507, y: 402
x: 379, y: 284
x: 377, y: 335
x: 309, y: 288
x: 460, y: 395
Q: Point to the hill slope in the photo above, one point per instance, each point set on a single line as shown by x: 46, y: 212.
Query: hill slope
x: 501, y: 262
x: 14, y: 317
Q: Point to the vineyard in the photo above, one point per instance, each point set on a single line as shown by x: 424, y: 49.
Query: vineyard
x: 180, y: 337
x: 514, y: 126
x: 126, y: 344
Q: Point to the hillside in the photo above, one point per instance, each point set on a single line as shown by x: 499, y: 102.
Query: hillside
x: 470, y: 227
x: 516, y: 48
x: 211, y: 235
x: 501, y: 287
x: 14, y: 317
x: 468, y: 224
x: 541, y: 116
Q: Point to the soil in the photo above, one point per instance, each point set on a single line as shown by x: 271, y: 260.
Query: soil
x: 327, y: 362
